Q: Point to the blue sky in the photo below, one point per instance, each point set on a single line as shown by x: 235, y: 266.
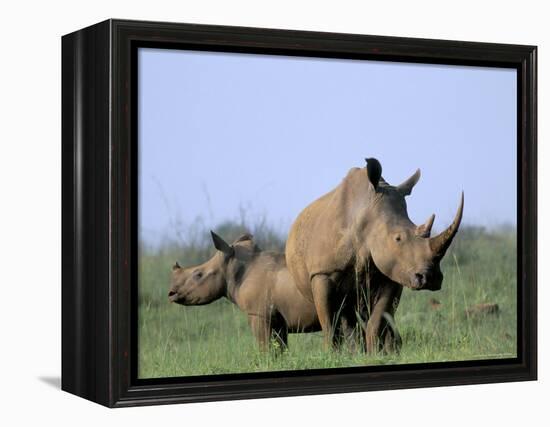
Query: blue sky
x: 219, y: 132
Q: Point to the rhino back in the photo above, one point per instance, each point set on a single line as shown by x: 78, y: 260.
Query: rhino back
x: 255, y: 293
x: 268, y: 289
x: 320, y: 240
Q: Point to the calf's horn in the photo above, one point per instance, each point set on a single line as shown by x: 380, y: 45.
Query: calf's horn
x: 440, y: 243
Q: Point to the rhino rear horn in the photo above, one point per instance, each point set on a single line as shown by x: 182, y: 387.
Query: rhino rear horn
x: 222, y: 245
x: 374, y: 171
x: 407, y: 186
x: 440, y: 243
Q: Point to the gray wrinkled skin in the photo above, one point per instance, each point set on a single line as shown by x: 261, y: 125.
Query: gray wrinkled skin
x: 358, y: 240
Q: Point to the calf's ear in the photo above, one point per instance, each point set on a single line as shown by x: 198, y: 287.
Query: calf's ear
x: 222, y: 245
x: 176, y: 266
x: 244, y: 238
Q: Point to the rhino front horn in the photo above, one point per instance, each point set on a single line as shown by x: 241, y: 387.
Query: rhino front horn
x: 440, y: 243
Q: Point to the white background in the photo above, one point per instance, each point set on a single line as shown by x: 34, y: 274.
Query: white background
x: 30, y: 161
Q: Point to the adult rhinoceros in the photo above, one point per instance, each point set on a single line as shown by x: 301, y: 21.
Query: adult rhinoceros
x: 357, y: 239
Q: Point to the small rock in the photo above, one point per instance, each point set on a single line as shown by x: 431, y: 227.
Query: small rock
x: 434, y: 304
x: 481, y: 309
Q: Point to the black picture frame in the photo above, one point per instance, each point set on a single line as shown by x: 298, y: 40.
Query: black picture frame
x: 99, y: 196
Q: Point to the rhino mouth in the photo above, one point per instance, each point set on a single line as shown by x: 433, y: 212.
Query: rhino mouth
x: 423, y: 288
x: 185, y: 300
x: 177, y: 298
x: 426, y: 281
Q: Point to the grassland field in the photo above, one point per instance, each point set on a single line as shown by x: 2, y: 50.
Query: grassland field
x: 173, y: 340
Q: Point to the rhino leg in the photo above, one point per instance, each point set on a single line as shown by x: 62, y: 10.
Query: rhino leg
x: 379, y: 334
x: 321, y: 287
x: 280, y: 337
x: 261, y: 329
x: 391, y: 337
x: 268, y: 331
x: 345, y: 331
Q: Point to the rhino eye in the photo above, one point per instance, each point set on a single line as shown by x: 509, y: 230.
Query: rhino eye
x: 197, y: 275
x: 398, y: 238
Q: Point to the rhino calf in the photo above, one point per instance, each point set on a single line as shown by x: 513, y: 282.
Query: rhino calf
x: 257, y: 281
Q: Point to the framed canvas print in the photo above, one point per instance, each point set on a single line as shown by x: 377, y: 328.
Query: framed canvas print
x: 258, y: 213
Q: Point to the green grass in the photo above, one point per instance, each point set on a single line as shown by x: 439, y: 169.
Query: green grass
x: 174, y: 340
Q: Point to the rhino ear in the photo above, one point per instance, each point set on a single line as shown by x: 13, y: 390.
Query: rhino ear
x: 374, y: 171
x: 244, y: 238
x: 176, y: 266
x: 407, y: 186
x: 222, y: 245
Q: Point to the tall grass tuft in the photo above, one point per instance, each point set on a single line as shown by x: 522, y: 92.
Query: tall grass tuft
x: 480, y: 267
